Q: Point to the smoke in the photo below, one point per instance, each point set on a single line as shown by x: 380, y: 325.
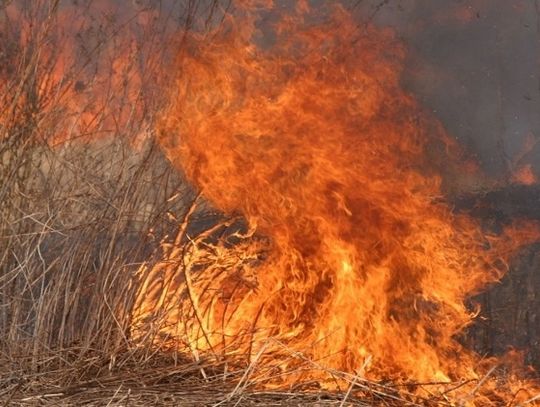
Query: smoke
x: 475, y: 64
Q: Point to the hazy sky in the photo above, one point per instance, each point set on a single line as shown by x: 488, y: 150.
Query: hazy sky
x: 476, y: 64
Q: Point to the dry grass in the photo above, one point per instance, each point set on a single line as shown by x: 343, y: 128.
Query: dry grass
x: 133, y: 378
x: 82, y: 206
x: 76, y: 218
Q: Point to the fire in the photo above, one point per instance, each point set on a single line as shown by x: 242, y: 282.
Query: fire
x: 351, y: 256
x: 87, y: 78
x: 524, y: 175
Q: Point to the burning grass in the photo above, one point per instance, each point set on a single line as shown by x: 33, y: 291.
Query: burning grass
x: 121, y: 285
x: 136, y: 378
x: 174, y: 311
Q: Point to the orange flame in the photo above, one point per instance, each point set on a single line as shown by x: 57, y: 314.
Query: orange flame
x: 310, y: 136
x: 524, y: 175
x: 89, y: 70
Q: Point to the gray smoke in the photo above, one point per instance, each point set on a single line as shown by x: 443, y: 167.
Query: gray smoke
x: 476, y: 65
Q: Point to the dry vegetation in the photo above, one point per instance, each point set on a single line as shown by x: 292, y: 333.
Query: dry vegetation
x: 82, y: 207
x: 78, y: 217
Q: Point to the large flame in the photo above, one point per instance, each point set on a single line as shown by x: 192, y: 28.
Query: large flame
x: 301, y: 126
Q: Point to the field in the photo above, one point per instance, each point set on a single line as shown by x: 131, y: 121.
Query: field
x: 114, y: 267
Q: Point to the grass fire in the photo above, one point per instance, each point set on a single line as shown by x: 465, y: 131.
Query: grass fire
x: 250, y: 203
